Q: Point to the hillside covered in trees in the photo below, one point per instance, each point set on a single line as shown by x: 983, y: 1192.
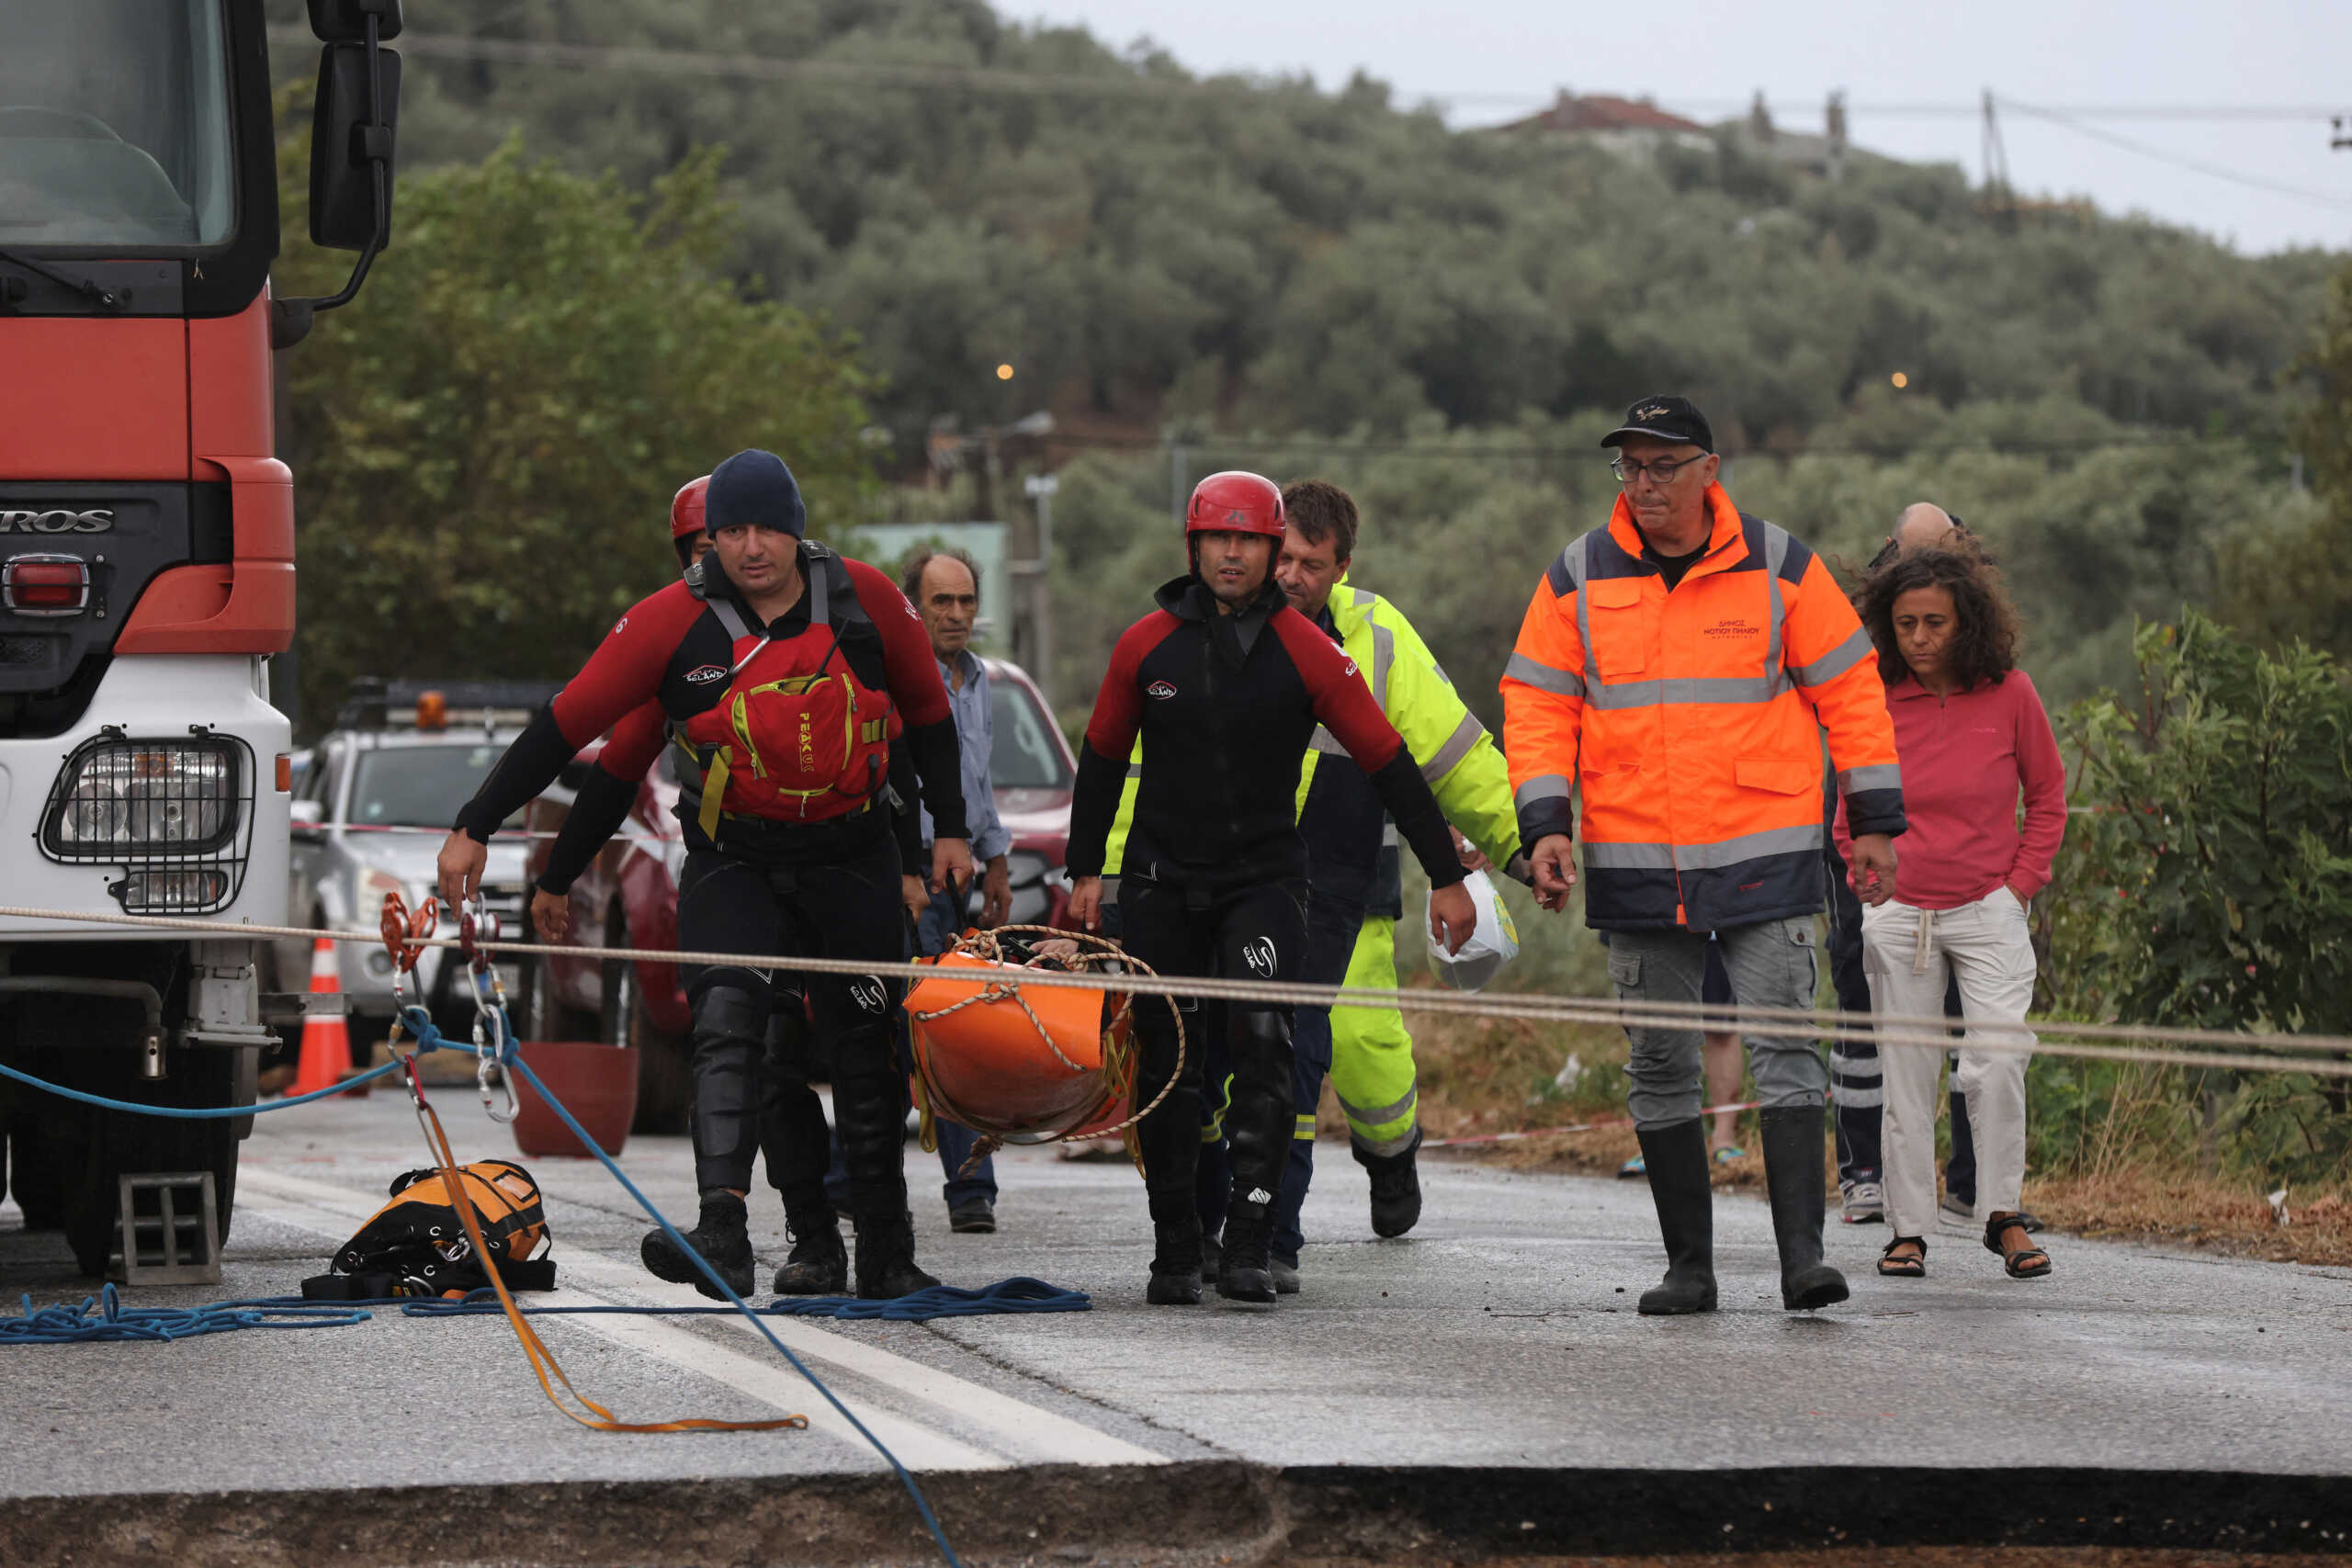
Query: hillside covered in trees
x: 1195, y: 272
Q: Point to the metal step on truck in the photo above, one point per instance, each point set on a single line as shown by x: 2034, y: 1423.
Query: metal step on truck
x: 147, y: 568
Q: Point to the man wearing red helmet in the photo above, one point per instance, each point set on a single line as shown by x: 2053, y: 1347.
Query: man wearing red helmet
x: 1224, y: 684
x: 686, y: 534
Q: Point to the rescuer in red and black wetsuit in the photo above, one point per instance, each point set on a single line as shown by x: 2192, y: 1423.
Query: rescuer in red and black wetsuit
x: 1225, y: 684
x: 795, y: 1142
x: 783, y: 674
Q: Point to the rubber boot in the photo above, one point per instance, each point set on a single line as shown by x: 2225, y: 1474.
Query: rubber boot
x: 1258, y: 1131
x: 720, y: 1235
x: 1170, y: 1141
x: 1395, y: 1187
x: 1793, y: 1147
x: 818, y: 1263
x: 1676, y: 1157
x: 885, y: 1257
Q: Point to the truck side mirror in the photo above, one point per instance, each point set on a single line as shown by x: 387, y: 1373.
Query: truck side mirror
x: 307, y: 818
x: 351, y: 148
x: 345, y: 21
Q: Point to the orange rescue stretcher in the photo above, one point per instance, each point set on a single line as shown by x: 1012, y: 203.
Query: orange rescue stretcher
x: 1023, y: 1064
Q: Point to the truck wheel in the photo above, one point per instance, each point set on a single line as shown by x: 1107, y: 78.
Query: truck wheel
x: 118, y: 1142
x: 35, y: 1182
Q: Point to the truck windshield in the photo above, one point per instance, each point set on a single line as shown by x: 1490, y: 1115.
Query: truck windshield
x: 419, y: 786
x: 114, y: 124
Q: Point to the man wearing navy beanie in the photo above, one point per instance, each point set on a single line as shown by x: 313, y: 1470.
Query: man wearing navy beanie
x: 781, y: 669
x: 755, y: 488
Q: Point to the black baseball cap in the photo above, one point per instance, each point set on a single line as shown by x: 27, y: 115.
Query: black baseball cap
x: 1669, y: 419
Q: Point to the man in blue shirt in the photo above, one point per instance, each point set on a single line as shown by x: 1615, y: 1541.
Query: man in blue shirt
x: 944, y: 586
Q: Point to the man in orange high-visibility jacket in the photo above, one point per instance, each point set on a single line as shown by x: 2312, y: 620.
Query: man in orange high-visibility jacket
x: 1670, y: 668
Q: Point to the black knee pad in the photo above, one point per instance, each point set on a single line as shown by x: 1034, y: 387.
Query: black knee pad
x: 1260, y: 1031
x: 726, y: 1009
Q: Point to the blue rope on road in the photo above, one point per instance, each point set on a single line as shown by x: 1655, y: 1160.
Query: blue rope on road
x: 514, y: 1062
x: 199, y: 1112
x: 64, y: 1325
x: 1015, y: 1295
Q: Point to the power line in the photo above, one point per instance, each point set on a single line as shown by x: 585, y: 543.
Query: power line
x: 1480, y: 451
x: 2213, y: 171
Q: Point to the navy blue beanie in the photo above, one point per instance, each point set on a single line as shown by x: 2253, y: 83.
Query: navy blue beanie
x: 755, y: 487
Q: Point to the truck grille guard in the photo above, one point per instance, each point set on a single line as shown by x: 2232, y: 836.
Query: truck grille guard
x: 176, y: 814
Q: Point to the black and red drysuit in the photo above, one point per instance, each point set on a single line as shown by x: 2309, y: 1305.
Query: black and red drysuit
x: 761, y: 885
x: 1214, y: 878
x: 794, y: 1139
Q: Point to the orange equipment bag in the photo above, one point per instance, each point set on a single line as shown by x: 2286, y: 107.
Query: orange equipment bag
x: 1019, y: 1064
x: 416, y: 1245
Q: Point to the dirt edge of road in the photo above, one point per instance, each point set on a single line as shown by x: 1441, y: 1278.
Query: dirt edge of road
x: 1202, y: 1512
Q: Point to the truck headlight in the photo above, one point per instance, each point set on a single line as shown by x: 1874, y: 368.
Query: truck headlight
x: 176, y: 815
x: 152, y: 797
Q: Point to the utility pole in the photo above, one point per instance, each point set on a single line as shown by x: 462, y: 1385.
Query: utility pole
x: 1999, y: 197
x: 1025, y: 562
x: 1040, y: 489
x: 1176, y: 485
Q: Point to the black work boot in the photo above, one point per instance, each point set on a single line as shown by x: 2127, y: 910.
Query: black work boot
x: 1676, y: 1157
x: 1246, y: 1272
x: 1169, y: 1139
x: 1396, y: 1188
x: 1793, y: 1146
x: 722, y: 1238
x: 886, y: 1259
x: 818, y: 1263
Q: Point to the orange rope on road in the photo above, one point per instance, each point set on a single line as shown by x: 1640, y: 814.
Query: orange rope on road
x: 543, y: 1362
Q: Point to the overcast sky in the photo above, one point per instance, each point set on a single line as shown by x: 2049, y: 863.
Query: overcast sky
x: 1497, y: 58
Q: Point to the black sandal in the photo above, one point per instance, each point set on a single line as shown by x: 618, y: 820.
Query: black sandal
x: 1896, y: 1267
x: 2026, y: 1263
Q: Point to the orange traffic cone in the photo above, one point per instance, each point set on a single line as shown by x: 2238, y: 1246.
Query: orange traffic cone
x: 326, y: 1042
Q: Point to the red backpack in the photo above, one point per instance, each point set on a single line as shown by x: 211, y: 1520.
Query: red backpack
x: 800, y: 749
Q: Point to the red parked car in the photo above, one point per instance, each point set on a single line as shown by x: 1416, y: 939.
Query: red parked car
x: 628, y: 895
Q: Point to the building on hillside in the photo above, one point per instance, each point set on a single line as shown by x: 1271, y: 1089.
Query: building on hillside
x: 1825, y: 155
x: 1628, y: 127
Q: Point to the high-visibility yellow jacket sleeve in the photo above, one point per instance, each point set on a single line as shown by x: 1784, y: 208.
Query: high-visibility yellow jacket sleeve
x: 1458, y: 757
x: 1542, y: 688
x: 1115, y: 847
x: 1835, y: 667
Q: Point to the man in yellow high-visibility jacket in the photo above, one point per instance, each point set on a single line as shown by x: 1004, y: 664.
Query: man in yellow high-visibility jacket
x: 1355, y: 885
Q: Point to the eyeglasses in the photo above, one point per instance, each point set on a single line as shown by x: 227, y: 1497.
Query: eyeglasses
x: 1660, y: 469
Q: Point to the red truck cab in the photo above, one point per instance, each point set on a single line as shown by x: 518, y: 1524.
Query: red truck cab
x: 147, y: 561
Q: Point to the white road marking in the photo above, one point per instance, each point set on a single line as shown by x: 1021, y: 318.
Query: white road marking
x: 1013, y: 1431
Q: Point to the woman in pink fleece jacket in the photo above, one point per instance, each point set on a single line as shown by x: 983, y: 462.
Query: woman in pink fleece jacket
x: 1976, y: 745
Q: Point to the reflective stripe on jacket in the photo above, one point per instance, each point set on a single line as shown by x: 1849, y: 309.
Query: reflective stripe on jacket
x: 1686, y: 722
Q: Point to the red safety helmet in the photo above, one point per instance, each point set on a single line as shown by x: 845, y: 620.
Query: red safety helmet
x: 1235, y: 502
x: 685, y: 508
x: 686, y: 519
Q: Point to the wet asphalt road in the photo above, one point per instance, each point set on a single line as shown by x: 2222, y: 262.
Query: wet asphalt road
x: 1501, y: 1334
